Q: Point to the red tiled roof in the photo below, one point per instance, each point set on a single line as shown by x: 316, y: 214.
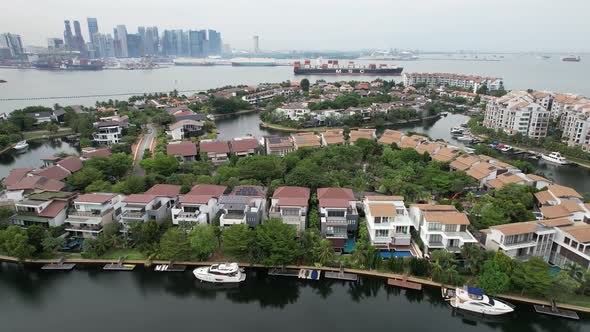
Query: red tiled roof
x: 72, y: 164
x: 195, y: 199
x: 52, y: 172
x: 215, y: 146
x: 335, y: 193
x: 16, y: 175
x: 182, y: 149
x: 139, y: 198
x: 166, y: 190
x: 37, y: 182
x: 292, y: 201
x: 244, y: 144
x: 207, y: 190
x: 334, y: 203
x: 53, y: 209
x: 101, y: 153
x: 99, y: 198
x: 291, y: 192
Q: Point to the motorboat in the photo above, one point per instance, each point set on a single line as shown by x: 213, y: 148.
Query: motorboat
x: 555, y: 157
x: 465, y: 138
x: 506, y: 148
x: 457, y: 131
x: 220, y: 273
x: 474, y: 300
x: 21, y: 146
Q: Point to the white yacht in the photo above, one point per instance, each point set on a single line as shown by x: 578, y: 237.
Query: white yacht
x: 457, y: 130
x: 506, y: 148
x: 21, y: 146
x: 555, y: 157
x: 474, y: 300
x: 220, y: 273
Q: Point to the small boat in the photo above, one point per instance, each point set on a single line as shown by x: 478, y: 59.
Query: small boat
x: 474, y: 300
x: 21, y: 146
x: 457, y: 131
x: 506, y: 148
x: 2, y: 81
x: 465, y: 138
x: 444, y: 113
x: 555, y: 157
x: 220, y: 273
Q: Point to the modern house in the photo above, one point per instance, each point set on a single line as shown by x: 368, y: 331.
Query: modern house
x: 332, y: 137
x: 290, y: 204
x: 108, y: 132
x: 89, y: 152
x: 294, y: 111
x: 562, y: 202
x: 183, y: 151
x: 306, y: 139
x: 523, y: 240
x: 244, y: 205
x: 154, y: 204
x: 217, y: 151
x: 19, y: 185
x: 48, y: 209
x: 391, y: 136
x: 278, y: 145
x: 388, y: 221
x: 91, y: 212
x: 338, y: 215
x: 572, y: 245
x: 200, y: 205
x: 185, y: 129
x: 365, y: 133
x: 441, y: 227
x: 244, y: 146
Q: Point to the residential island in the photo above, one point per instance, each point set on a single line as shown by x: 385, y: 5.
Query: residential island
x: 339, y: 190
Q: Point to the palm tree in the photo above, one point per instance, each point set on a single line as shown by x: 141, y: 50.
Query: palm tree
x: 324, y: 253
x: 575, y: 271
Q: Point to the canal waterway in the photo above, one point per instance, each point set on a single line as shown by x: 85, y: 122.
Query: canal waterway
x: 93, y: 300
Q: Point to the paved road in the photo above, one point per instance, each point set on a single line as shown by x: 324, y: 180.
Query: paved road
x: 145, y: 144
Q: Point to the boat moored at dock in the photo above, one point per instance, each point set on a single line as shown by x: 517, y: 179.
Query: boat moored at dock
x: 220, y: 273
x: 21, y: 146
x: 474, y: 300
x: 555, y: 157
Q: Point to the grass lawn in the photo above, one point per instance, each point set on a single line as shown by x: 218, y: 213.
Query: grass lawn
x: 127, y: 253
x: 45, y: 133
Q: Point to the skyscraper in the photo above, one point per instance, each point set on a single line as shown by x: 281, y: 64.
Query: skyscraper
x: 256, y: 48
x: 78, y: 40
x: 121, y: 47
x: 68, y: 36
x: 105, y: 45
x: 169, y: 43
x: 214, y: 44
x: 151, y: 41
x: 135, y: 45
x: 197, y: 43
x: 55, y: 43
x: 12, y: 43
x: 92, y: 31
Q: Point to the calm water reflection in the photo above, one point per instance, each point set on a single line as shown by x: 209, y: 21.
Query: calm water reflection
x: 32, y: 157
x: 94, y: 300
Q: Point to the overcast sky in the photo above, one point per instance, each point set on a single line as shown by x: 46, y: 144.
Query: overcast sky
x: 496, y: 25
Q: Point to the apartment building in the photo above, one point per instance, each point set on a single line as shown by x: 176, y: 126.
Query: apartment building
x: 471, y: 82
x: 575, y: 125
x: 517, y: 113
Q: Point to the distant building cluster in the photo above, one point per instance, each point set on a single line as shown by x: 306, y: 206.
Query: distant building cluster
x: 148, y: 41
x: 471, y: 82
x: 529, y: 113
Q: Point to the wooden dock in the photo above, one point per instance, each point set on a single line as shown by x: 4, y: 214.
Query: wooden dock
x: 404, y: 283
x: 170, y: 268
x: 284, y: 272
x: 59, y: 266
x: 341, y: 275
x: 119, y: 266
x: 554, y: 311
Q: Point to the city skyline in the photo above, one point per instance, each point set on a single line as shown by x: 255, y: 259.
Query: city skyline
x: 375, y: 24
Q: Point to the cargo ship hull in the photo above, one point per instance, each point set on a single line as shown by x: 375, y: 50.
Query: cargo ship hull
x: 349, y: 71
x: 45, y: 66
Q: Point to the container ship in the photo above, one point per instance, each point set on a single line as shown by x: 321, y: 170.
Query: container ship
x: 82, y: 64
x: 333, y: 68
x: 571, y: 58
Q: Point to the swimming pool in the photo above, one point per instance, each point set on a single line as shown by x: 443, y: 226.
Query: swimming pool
x: 397, y: 254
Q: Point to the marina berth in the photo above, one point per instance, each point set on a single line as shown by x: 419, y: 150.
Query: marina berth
x: 220, y: 273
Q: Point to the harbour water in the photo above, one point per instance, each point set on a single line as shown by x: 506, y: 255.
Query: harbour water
x: 93, y: 300
x: 519, y: 71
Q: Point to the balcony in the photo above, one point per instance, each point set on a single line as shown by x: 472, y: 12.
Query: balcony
x: 75, y: 213
x: 84, y: 227
x: 135, y: 215
x: 232, y: 219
